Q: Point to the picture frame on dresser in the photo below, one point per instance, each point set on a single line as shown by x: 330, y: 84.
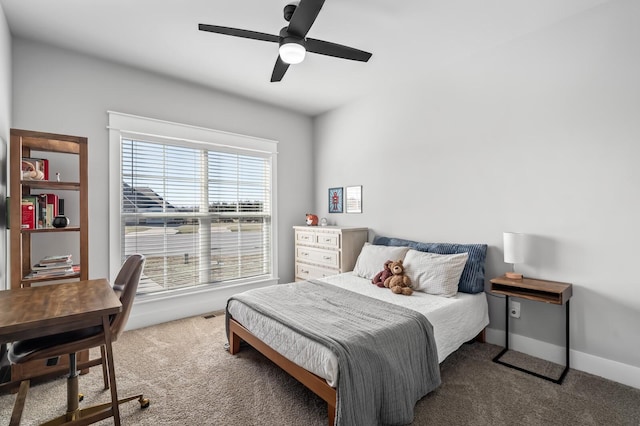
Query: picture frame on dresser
x: 336, y: 199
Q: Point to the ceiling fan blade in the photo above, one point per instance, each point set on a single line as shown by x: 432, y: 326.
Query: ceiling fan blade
x: 254, y: 35
x: 279, y: 69
x: 304, y: 16
x: 336, y: 50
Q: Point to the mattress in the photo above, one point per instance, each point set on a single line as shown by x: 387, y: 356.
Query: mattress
x: 455, y: 321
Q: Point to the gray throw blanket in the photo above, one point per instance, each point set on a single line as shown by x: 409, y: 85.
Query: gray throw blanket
x: 386, y: 353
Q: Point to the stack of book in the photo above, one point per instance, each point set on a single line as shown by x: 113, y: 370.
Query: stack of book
x: 39, y: 210
x: 53, y: 266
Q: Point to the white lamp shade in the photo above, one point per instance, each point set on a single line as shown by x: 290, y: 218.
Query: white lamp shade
x: 514, y: 247
x: 292, y: 53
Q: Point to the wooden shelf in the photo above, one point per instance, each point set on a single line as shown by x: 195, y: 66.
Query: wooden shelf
x: 24, y: 143
x: 52, y: 185
x: 533, y: 289
x: 45, y: 230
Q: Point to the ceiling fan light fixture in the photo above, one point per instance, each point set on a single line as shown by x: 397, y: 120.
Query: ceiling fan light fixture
x: 292, y: 53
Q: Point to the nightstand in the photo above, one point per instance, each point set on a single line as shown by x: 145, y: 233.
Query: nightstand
x: 553, y: 292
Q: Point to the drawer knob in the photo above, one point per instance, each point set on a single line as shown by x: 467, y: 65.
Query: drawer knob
x: 327, y: 257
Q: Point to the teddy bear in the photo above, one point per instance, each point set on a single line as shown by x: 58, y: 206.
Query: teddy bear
x: 382, y: 275
x: 312, y: 219
x: 398, y: 283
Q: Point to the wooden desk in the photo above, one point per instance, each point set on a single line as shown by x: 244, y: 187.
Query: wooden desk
x: 31, y: 312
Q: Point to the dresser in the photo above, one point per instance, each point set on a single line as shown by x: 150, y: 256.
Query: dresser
x: 322, y: 251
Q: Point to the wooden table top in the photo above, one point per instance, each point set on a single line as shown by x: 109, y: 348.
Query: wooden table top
x: 31, y: 312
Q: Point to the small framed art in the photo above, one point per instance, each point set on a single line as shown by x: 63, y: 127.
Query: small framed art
x: 335, y: 200
x: 353, y: 198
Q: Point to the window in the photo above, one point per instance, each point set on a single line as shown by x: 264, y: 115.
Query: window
x: 197, y: 203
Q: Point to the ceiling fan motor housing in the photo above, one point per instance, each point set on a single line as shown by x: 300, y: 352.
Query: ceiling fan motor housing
x: 287, y: 37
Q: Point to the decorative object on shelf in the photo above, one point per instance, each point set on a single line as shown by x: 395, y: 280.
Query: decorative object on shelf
x: 35, y: 169
x: 60, y: 221
x: 514, y: 252
x: 57, y: 176
x: 323, y: 221
x: 353, y: 197
x: 312, y: 219
x: 335, y: 200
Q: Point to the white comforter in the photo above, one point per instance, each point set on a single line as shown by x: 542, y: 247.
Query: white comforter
x: 455, y: 320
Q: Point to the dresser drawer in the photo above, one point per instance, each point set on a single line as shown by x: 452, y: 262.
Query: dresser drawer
x: 328, y: 240
x: 306, y: 272
x: 322, y: 257
x: 303, y: 237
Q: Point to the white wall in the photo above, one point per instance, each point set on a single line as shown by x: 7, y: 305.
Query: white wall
x: 539, y: 136
x: 62, y: 92
x: 5, y: 125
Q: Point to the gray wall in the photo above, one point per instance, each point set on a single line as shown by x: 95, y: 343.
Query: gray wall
x: 5, y: 125
x: 62, y: 92
x: 538, y: 136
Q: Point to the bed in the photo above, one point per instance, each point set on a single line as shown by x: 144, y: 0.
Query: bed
x: 450, y: 283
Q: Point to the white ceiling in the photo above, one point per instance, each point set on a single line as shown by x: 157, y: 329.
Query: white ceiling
x: 406, y: 38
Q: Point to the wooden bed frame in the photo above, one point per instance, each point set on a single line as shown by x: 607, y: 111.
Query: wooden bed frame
x: 316, y: 384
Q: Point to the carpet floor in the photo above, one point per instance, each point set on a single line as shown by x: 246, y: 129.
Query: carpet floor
x: 191, y: 380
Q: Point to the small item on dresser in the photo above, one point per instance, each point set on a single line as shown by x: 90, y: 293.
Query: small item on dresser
x: 312, y: 219
x: 323, y: 221
x: 381, y: 276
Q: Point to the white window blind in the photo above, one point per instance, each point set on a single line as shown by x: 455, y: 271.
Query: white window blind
x: 201, y: 213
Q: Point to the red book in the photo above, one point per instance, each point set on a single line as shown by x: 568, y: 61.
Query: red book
x: 45, y: 168
x: 28, y: 215
x: 52, y: 209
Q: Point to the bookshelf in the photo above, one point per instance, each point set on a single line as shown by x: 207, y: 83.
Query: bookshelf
x: 29, y: 144
x: 72, y: 150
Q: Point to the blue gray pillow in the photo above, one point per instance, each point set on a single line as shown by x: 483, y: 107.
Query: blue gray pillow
x: 472, y: 278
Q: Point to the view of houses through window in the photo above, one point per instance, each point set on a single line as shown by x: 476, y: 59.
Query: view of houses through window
x: 201, y: 215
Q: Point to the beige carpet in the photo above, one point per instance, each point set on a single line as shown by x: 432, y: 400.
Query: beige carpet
x: 191, y: 380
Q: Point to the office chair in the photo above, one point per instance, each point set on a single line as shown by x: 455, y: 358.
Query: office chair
x: 125, y: 286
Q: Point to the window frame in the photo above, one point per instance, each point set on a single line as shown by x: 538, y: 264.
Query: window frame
x: 128, y: 126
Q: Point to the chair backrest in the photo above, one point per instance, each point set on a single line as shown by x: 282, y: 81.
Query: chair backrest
x: 126, y: 285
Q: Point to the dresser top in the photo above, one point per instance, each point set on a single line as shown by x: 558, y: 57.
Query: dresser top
x: 329, y: 228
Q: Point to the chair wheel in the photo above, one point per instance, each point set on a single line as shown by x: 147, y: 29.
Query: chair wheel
x: 144, y: 402
x: 80, y: 397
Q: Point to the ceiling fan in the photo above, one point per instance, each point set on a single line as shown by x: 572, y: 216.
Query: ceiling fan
x: 292, y: 38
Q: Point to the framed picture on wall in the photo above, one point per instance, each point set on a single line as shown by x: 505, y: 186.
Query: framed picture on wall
x: 335, y: 200
x: 353, y: 199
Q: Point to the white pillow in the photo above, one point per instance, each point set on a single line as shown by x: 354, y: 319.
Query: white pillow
x: 372, y: 258
x: 433, y: 273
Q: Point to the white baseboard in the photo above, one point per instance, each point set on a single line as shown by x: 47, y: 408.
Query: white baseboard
x: 613, y: 370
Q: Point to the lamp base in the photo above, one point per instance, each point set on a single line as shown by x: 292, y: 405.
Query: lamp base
x: 513, y: 276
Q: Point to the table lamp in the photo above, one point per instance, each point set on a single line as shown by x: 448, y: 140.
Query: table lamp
x: 514, y: 252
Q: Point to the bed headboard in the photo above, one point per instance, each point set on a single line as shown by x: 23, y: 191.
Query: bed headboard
x: 472, y: 278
